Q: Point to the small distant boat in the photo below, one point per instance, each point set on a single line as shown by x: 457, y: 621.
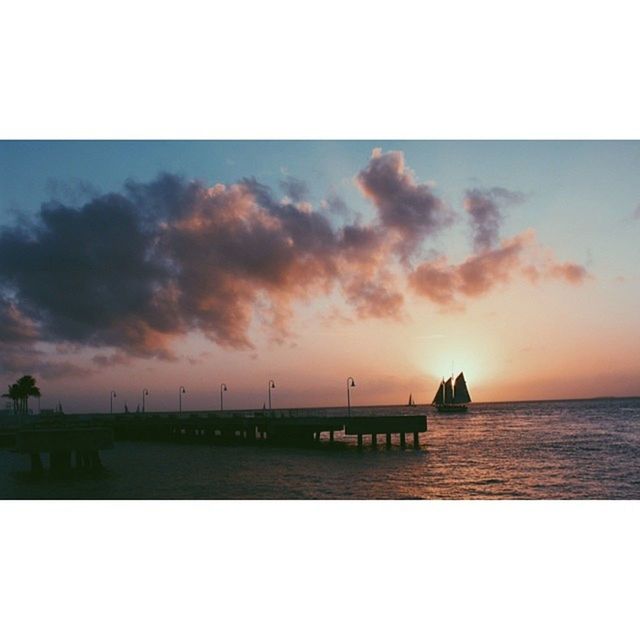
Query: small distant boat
x: 452, y: 396
x: 412, y: 402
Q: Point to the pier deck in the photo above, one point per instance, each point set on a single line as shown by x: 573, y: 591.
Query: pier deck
x: 84, y: 435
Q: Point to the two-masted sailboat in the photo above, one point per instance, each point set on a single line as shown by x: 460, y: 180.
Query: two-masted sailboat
x: 452, y: 396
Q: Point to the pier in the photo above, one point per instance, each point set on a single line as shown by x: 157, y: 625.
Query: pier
x: 272, y: 427
x: 60, y: 443
x: 74, y: 441
x: 387, y: 426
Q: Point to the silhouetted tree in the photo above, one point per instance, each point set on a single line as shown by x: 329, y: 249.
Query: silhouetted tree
x: 20, y: 392
x: 14, y: 395
x: 28, y: 389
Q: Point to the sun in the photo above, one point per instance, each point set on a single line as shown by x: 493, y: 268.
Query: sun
x: 451, y: 361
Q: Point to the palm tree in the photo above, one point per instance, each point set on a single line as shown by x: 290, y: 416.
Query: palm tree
x: 20, y: 392
x: 27, y: 389
x: 14, y: 395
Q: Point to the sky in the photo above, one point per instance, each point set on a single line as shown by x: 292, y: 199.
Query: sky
x: 127, y: 265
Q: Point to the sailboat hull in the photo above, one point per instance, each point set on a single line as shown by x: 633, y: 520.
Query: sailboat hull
x: 452, y: 408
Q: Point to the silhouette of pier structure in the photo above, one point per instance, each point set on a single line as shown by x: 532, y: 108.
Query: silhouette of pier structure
x: 84, y: 435
x: 278, y: 427
x: 84, y: 442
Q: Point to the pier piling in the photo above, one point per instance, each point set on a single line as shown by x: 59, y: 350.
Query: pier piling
x: 402, y: 439
x: 388, y: 441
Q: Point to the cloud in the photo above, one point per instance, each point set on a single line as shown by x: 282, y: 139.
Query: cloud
x: 377, y: 299
x: 51, y: 370
x: 333, y: 203
x: 494, y: 261
x: 569, y: 272
x: 405, y: 207
x: 15, y: 328
x: 295, y: 189
x: 132, y: 271
x: 89, y: 275
x: 238, y: 246
x: 19, y: 353
x: 114, y: 359
x: 74, y: 191
x: 480, y: 273
x: 484, y: 207
x: 19, y: 359
x: 362, y: 245
x: 436, y: 280
x: 446, y: 284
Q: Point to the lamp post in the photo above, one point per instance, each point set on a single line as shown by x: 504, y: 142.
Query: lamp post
x: 350, y: 383
x: 271, y: 385
x: 145, y: 393
x: 223, y: 387
x: 112, y: 395
x: 181, y: 390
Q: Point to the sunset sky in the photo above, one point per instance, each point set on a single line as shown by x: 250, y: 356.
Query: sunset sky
x: 126, y: 265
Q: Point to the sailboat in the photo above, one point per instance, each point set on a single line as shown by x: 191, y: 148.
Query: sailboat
x: 452, y: 396
x: 412, y: 402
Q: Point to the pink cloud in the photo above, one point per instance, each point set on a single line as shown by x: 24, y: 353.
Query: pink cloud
x: 445, y: 284
x: 569, y: 272
x: 130, y: 272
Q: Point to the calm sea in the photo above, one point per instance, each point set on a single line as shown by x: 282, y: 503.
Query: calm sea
x: 567, y: 449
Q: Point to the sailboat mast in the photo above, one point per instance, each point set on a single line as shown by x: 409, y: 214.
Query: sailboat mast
x: 453, y: 384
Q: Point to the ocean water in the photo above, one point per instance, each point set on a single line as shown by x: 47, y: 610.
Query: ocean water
x: 529, y: 450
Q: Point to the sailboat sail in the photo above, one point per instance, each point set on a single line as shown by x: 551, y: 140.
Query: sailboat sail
x: 461, y: 394
x: 452, y: 395
x: 448, y: 391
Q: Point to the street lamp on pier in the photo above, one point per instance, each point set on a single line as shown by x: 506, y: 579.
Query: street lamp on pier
x: 350, y: 383
x: 271, y: 385
x: 181, y: 390
x: 145, y: 393
x: 112, y: 395
x: 223, y: 387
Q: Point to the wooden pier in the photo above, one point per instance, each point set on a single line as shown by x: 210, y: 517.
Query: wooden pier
x: 387, y: 426
x: 83, y: 436
x: 267, y: 427
x: 61, y: 443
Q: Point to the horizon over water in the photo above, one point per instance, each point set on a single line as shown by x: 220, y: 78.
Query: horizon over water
x: 354, y: 407
x: 543, y: 449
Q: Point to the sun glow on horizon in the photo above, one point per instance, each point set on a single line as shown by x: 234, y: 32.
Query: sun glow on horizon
x: 451, y: 362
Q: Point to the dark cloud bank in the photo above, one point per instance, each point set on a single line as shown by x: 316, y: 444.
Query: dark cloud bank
x: 133, y: 270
